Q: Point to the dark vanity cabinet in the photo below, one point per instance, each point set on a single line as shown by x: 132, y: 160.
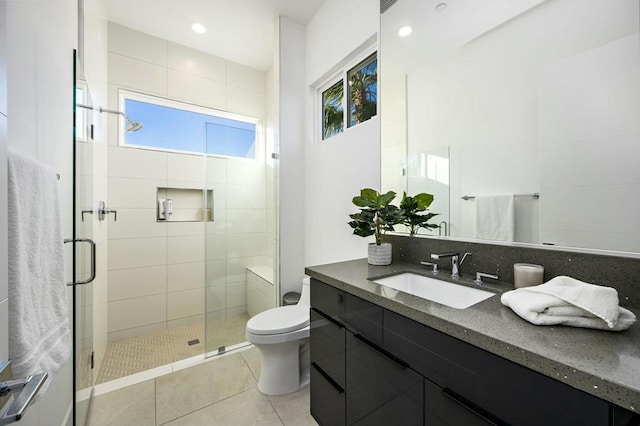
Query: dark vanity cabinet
x: 371, y: 366
x: 354, y: 380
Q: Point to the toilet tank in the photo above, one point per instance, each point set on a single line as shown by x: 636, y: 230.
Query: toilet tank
x: 305, y: 296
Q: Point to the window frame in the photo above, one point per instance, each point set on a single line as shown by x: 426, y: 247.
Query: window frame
x: 341, y: 73
x: 124, y: 94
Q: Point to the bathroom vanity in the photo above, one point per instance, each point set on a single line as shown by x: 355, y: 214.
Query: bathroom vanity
x: 381, y: 356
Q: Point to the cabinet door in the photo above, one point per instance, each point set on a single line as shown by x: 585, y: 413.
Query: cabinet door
x: 443, y: 408
x: 381, y: 389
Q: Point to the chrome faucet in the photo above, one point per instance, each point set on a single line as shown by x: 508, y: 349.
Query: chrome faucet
x: 455, y: 264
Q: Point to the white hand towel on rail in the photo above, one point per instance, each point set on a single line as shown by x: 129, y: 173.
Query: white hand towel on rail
x: 495, y: 217
x: 39, y: 338
x: 567, y: 301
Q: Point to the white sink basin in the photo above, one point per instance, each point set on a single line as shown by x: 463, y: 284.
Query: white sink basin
x: 443, y: 292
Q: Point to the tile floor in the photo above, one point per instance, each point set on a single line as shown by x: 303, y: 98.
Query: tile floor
x: 220, y: 391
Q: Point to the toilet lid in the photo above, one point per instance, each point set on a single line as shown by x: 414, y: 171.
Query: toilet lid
x: 279, y: 320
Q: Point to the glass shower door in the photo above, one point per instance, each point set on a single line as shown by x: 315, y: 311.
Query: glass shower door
x: 84, y: 258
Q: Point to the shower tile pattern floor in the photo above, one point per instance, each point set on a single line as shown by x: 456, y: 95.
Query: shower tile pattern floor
x: 140, y: 353
x: 221, y: 391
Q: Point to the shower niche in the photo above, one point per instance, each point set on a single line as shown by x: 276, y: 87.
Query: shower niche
x: 184, y: 205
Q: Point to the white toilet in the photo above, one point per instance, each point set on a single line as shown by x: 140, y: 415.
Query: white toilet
x: 282, y: 338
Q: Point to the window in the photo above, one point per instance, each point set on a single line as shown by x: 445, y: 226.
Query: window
x: 332, y: 110
x: 363, y: 90
x: 360, y: 83
x: 177, y: 126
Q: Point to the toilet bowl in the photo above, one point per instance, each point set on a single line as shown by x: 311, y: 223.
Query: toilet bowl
x: 281, y: 335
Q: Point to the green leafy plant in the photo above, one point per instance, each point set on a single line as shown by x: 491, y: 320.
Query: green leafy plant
x: 413, y: 212
x: 377, y: 215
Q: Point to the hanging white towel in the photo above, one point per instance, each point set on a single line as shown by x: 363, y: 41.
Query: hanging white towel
x: 495, y: 217
x: 567, y: 301
x: 39, y: 337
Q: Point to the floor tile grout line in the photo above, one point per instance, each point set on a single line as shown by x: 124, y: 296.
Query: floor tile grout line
x: 209, y: 405
x: 250, y: 370
x: 274, y: 409
x: 220, y: 400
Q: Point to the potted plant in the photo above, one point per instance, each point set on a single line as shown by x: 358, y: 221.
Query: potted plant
x: 413, y: 212
x: 377, y: 215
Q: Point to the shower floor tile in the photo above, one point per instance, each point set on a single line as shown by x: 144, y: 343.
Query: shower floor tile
x: 140, y: 353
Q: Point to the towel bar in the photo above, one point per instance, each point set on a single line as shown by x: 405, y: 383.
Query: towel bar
x: 535, y: 196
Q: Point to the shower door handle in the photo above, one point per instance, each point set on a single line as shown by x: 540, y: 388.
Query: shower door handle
x: 92, y: 244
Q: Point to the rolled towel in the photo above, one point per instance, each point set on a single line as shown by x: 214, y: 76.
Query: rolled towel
x: 567, y: 301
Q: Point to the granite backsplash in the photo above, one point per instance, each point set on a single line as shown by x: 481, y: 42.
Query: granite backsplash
x: 621, y: 273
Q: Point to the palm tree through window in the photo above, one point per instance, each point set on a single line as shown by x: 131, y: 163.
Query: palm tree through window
x: 360, y: 102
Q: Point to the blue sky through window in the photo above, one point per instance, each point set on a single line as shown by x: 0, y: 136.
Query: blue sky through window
x: 183, y: 130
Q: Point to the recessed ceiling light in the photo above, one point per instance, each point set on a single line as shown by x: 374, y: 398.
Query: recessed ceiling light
x: 198, y: 27
x: 441, y: 7
x: 405, y: 31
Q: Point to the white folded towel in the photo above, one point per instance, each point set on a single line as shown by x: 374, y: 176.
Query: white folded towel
x: 39, y: 338
x: 567, y: 301
x: 495, y: 217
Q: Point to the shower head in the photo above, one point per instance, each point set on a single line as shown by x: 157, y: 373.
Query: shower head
x: 132, y: 126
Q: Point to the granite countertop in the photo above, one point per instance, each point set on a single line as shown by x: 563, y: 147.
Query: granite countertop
x: 603, y: 363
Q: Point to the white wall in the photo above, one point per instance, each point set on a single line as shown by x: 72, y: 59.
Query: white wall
x: 41, y: 36
x: 4, y: 288
x: 157, y: 270
x: 291, y: 150
x: 336, y: 169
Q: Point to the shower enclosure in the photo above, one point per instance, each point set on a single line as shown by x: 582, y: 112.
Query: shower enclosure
x: 186, y: 239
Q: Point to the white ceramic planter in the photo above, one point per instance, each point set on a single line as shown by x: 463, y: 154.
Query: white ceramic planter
x: 379, y: 254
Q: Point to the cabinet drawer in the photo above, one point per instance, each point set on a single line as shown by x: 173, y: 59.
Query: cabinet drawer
x: 442, y: 359
x: 327, y: 299
x: 327, y: 400
x: 442, y: 408
x: 622, y: 417
x: 509, y: 391
x: 358, y: 315
x: 328, y: 345
x: 362, y: 317
x: 381, y: 389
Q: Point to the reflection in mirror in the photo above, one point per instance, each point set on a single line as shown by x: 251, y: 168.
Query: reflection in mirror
x: 531, y: 97
x: 428, y: 172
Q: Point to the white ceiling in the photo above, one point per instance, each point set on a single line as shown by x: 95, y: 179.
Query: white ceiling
x: 440, y: 32
x: 238, y: 30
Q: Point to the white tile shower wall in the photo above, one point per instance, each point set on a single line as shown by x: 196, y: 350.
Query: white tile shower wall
x: 157, y: 273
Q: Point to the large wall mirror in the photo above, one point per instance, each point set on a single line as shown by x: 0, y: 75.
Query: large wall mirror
x: 522, y: 97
